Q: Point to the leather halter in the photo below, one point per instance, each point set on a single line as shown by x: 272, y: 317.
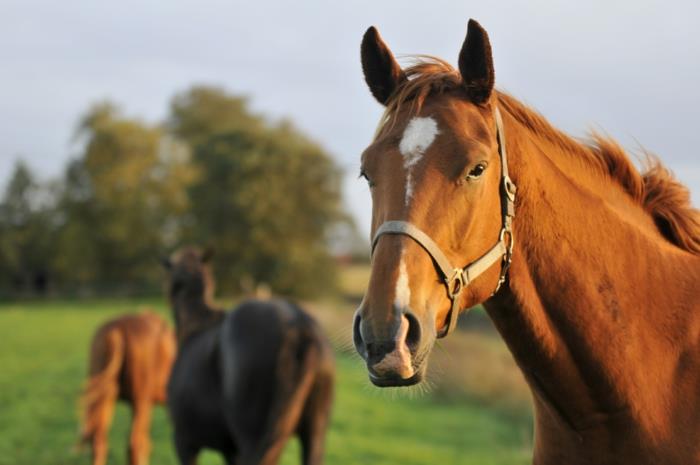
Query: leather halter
x: 454, y: 278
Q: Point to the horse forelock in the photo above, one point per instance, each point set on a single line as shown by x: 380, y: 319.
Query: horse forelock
x: 427, y: 76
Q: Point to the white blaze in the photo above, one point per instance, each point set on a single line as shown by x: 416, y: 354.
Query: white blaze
x: 417, y: 137
x: 398, y: 361
x: 402, y: 295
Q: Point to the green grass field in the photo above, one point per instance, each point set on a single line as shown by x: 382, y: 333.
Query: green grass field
x: 43, y: 356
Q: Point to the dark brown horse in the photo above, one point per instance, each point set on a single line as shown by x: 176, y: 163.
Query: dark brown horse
x: 130, y: 360
x: 244, y: 381
x: 589, y: 269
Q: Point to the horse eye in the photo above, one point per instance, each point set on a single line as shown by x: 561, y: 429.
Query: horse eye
x: 369, y: 181
x: 477, y: 171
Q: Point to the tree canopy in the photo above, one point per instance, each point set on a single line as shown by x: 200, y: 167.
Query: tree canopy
x: 26, y: 232
x: 261, y: 193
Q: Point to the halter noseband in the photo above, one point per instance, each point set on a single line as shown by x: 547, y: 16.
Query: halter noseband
x: 454, y: 278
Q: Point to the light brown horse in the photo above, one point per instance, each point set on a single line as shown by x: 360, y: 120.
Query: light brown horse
x: 130, y: 360
x: 601, y: 304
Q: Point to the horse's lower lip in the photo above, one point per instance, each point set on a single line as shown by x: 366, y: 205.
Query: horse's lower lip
x: 395, y: 381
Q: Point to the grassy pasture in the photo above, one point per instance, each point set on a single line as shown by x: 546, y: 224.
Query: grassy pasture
x: 482, y: 419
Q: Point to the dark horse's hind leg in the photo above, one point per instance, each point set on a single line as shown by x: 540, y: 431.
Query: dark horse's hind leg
x: 186, y: 453
x: 314, y: 421
x: 266, y: 452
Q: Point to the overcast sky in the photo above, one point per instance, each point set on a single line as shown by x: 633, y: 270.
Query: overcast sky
x: 630, y: 68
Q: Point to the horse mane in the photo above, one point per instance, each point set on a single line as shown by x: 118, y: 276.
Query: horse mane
x: 656, y: 190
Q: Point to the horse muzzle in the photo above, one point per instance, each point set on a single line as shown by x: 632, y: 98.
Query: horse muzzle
x: 390, y: 352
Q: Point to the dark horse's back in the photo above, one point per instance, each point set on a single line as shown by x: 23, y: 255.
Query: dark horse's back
x: 244, y: 386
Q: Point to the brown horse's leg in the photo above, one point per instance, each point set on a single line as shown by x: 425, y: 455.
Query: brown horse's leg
x: 139, y: 441
x: 101, y: 414
x: 100, y: 394
x: 100, y: 432
x: 101, y: 420
x: 314, y: 422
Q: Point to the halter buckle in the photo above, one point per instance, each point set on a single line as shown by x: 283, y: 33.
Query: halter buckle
x: 457, y: 278
x: 507, y: 257
x: 509, y: 188
x: 509, y: 245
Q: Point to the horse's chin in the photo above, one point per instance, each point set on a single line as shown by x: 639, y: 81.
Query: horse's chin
x: 395, y: 380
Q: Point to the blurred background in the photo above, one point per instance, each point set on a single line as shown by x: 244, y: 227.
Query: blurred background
x: 131, y: 128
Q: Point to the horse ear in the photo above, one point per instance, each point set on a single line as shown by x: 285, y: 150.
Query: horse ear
x: 476, y: 63
x: 382, y: 72
x: 207, y: 254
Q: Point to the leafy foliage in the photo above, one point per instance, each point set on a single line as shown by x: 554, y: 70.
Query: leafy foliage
x: 200, y: 112
x: 263, y: 194
x: 265, y: 198
x: 26, y: 233
x: 265, y: 204
x: 121, y: 200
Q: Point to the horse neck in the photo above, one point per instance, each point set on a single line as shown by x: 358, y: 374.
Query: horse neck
x: 193, y: 313
x: 599, y: 307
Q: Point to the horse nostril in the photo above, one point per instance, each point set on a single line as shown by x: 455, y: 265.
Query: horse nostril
x: 357, y: 335
x: 376, y: 351
x: 414, y: 332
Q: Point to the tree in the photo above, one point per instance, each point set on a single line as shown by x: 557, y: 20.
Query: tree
x: 265, y: 197
x: 27, y: 232
x: 201, y: 112
x: 122, y: 199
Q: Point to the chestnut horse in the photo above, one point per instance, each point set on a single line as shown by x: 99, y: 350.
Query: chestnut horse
x: 244, y: 381
x: 130, y: 360
x: 589, y: 269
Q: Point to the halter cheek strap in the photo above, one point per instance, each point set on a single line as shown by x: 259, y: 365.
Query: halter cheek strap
x: 457, y: 279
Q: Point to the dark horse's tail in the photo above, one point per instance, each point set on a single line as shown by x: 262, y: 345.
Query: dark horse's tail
x: 102, y: 387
